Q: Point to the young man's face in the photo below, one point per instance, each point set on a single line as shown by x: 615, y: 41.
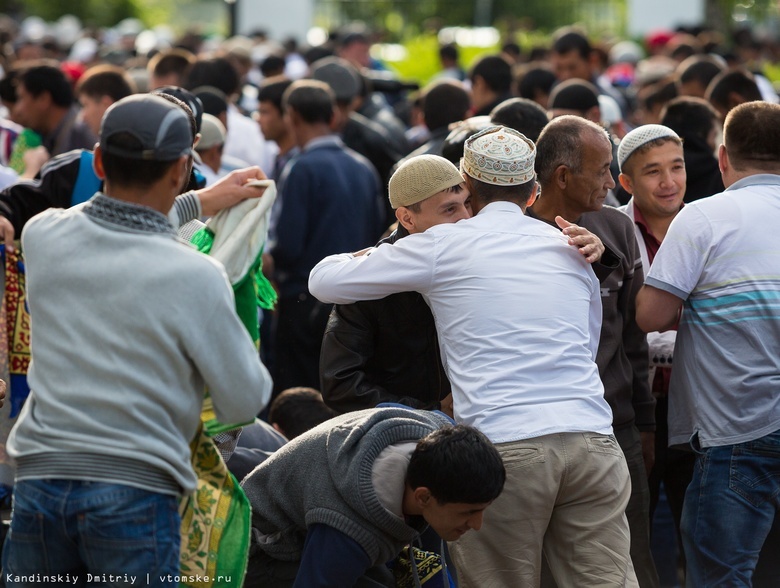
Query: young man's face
x: 29, y: 111
x: 571, y: 65
x: 451, y: 520
x: 271, y: 121
x: 444, y: 207
x: 656, y: 179
x: 92, y: 111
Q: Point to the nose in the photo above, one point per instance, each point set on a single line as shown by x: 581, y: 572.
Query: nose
x: 462, y: 213
x: 610, y: 181
x: 475, y: 521
x: 666, y: 178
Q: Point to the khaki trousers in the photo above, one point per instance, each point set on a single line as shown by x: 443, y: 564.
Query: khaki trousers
x: 566, y: 494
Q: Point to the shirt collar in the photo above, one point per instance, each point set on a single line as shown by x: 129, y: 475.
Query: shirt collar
x: 127, y: 215
x: 324, y: 141
x: 755, y: 180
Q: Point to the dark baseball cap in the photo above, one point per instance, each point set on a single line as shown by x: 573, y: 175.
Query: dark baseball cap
x: 161, y: 127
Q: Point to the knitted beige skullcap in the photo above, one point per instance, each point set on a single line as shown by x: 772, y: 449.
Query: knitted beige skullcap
x: 499, y: 156
x: 421, y: 177
x: 641, y: 136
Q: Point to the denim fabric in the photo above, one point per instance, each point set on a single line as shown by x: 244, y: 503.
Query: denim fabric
x: 91, y: 531
x: 730, y: 507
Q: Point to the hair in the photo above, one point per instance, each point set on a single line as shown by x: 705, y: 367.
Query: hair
x: 313, y: 101
x: 449, y: 52
x: 8, y: 86
x: 213, y: 100
x: 38, y: 79
x: 458, y: 464
x: 217, y: 71
x: 273, y: 65
x: 127, y: 171
x: 699, y: 68
x: 751, y: 135
x: 444, y: 103
x: 656, y: 94
x: 296, y: 410
x: 172, y: 61
x: 560, y: 143
x: 567, y: 40
x: 522, y: 115
x: 273, y: 90
x: 535, y: 80
x: 518, y: 193
x: 105, y: 80
x: 740, y: 81
x: 574, y: 94
x: 452, y: 148
x: 496, y: 71
x: 689, y: 117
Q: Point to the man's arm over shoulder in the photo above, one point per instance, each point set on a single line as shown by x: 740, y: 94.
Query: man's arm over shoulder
x: 406, y: 266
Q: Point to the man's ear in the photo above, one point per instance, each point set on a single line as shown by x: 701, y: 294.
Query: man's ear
x: 97, y: 162
x: 561, y: 176
x: 422, y: 496
x: 723, y: 158
x: 405, y: 217
x: 534, y: 195
x: 626, y: 182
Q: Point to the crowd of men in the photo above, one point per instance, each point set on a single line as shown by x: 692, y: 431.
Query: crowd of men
x: 530, y: 301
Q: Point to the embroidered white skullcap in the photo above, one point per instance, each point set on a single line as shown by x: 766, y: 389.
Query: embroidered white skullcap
x: 420, y: 177
x: 641, y: 136
x: 499, y: 156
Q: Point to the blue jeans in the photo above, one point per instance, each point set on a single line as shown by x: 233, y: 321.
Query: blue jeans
x: 90, y: 531
x: 730, y: 507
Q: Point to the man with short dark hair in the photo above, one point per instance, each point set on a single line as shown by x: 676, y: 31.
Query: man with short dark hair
x: 522, y: 115
x: 329, y: 201
x: 491, y: 83
x: 732, y: 88
x: 336, y: 505
x: 45, y: 105
x: 718, y: 264
x: 270, y: 117
x: 118, y: 379
x: 169, y: 67
x: 99, y: 88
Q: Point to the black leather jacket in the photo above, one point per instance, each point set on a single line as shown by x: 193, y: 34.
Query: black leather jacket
x: 382, y: 351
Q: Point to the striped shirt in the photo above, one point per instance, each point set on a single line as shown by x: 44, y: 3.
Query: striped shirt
x: 722, y: 257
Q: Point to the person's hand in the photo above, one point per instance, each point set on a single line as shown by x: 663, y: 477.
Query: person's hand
x: 33, y: 161
x: 2, y: 392
x: 447, y: 406
x: 7, y: 233
x: 648, y: 449
x: 230, y: 190
x: 586, y: 242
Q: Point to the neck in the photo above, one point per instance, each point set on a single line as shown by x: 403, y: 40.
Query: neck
x: 552, y: 204
x: 153, y: 198
x: 55, y: 117
x: 409, y: 505
x: 658, y: 225
x: 305, y: 133
x: 285, y: 143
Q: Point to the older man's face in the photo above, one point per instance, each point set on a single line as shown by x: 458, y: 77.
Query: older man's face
x: 591, y: 182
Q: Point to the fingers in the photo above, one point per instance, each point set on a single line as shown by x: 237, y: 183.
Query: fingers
x: 7, y: 233
x: 563, y: 223
x: 249, y: 173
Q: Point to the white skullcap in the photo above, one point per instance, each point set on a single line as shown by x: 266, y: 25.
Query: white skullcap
x: 641, y: 136
x: 499, y: 156
x: 212, y: 132
x: 421, y: 177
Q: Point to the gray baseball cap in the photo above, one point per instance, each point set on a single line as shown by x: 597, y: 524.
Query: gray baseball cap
x: 161, y: 127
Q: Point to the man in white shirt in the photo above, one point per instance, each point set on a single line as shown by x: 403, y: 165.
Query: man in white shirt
x: 518, y: 314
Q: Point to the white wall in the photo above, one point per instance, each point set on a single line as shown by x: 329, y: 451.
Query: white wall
x: 281, y: 19
x: 647, y: 15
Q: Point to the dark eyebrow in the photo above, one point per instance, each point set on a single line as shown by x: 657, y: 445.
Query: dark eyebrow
x: 655, y: 163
